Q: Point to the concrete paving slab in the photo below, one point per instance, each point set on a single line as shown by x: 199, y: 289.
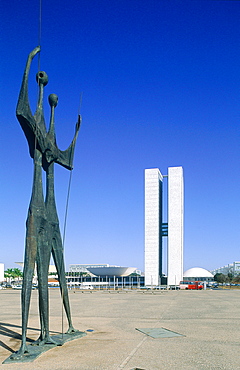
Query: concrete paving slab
x: 208, y: 320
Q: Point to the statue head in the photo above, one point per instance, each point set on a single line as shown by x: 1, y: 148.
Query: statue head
x: 53, y: 100
x: 42, y: 78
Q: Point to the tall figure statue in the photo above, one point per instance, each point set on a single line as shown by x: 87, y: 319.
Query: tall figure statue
x: 43, y: 236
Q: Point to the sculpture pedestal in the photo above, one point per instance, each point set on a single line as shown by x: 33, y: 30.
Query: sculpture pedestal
x: 36, y: 351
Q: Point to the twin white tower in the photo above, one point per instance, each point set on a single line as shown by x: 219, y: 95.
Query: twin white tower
x: 155, y: 229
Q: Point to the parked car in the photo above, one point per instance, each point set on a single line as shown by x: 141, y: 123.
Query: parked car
x: 18, y: 287
x: 8, y: 285
x: 82, y: 286
x: 160, y: 287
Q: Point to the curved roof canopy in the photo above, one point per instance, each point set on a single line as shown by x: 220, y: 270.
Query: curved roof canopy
x: 111, y: 271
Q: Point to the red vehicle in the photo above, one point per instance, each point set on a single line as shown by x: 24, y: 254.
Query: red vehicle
x: 193, y: 285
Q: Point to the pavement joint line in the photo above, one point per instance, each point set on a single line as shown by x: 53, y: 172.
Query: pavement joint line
x: 128, y: 358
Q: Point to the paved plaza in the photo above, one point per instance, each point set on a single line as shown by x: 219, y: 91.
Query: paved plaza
x: 208, y: 321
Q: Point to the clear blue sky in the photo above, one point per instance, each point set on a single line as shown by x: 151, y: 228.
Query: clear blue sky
x: 161, y: 87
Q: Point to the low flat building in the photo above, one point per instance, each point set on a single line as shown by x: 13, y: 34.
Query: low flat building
x: 231, y: 268
x: 103, y: 270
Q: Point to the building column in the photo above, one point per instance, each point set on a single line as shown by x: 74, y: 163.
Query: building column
x: 153, y: 224
x: 175, y: 225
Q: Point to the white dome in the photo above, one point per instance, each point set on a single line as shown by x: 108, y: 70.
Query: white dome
x: 197, y: 272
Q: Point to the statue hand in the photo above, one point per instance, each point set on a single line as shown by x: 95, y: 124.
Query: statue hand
x: 78, y: 124
x: 34, y: 52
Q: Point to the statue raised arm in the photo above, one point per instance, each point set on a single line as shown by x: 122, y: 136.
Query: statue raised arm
x: 65, y: 158
x: 33, y: 126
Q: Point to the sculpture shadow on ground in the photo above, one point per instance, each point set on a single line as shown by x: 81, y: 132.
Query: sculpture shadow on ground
x: 6, y: 331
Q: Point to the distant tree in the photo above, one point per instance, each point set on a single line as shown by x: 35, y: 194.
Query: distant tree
x: 85, y: 274
x: 220, y: 278
x: 17, y: 273
x: 230, y: 277
x: 13, y: 273
x: 8, y: 274
x: 237, y: 279
x: 134, y: 274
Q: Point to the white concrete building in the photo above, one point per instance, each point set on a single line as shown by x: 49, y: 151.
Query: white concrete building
x: 103, y: 269
x: 231, y: 268
x: 175, y: 225
x: 197, y: 274
x: 155, y: 229
x: 153, y: 222
x: 84, y: 267
x: 1, y: 272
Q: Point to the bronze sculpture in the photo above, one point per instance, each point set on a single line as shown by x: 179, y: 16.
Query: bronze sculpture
x: 42, y: 227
